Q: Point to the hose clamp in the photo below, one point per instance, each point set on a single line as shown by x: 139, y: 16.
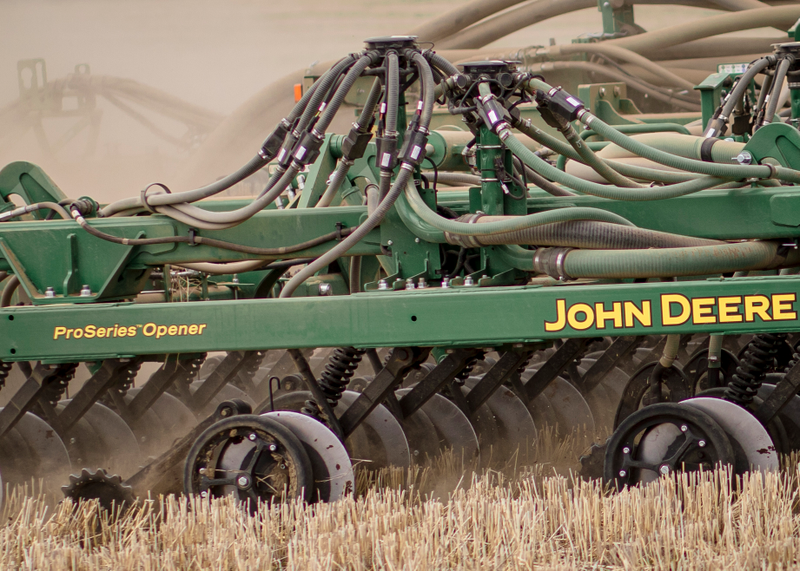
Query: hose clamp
x: 143, y: 195
x: 551, y: 261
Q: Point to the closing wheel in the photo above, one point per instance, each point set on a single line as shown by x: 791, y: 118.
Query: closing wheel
x: 453, y: 428
x: 46, y: 457
x: 661, y: 439
x: 675, y: 387
x: 333, y: 472
x: 254, y: 457
x: 747, y: 435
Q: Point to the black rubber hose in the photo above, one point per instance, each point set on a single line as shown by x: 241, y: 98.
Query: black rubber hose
x: 777, y: 85
x: 325, y: 82
x: 212, y: 242
x: 341, y: 92
x: 719, y: 121
x: 391, y: 99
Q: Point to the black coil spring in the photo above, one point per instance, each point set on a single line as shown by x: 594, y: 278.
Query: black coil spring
x: 758, y: 358
x: 469, y: 366
x: 340, y: 368
x: 126, y: 376
x: 310, y: 408
x: 58, y: 382
x: 5, y: 370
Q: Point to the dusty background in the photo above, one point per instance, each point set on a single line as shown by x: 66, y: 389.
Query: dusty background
x: 211, y: 53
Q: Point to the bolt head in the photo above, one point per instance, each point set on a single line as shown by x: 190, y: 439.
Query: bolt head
x: 252, y: 436
x: 417, y: 240
x: 325, y: 289
x: 201, y: 471
x: 389, y: 243
x: 242, y: 481
x: 702, y: 444
x: 203, y: 494
x: 664, y: 469
x: 622, y: 473
x: 273, y: 447
x: 626, y: 450
x: 684, y: 428
x: 282, y: 466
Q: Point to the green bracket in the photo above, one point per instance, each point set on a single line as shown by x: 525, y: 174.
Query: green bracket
x: 29, y: 182
x: 776, y: 143
x: 617, y: 19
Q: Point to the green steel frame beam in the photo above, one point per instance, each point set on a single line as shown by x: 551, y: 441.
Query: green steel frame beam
x: 459, y: 316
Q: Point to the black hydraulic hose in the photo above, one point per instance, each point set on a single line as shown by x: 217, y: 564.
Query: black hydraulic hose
x: 441, y: 63
x: 777, y: 85
x: 212, y: 242
x: 8, y: 291
x: 595, y: 162
x: 341, y: 92
x: 355, y: 274
x: 325, y: 83
x: 718, y: 122
x: 389, y: 139
x: 377, y: 216
x: 362, y: 125
x: 264, y: 156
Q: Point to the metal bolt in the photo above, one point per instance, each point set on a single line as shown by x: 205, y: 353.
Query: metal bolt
x: 49, y: 292
x: 468, y: 281
x: 622, y: 473
x: 283, y: 466
x: 201, y: 471
x: 744, y: 158
x: 410, y: 283
x: 602, y: 92
x: 684, y: 428
x: 203, y: 494
x: 626, y: 450
x: 252, y: 436
x: 235, y: 278
x: 242, y: 481
x: 86, y: 291
x: 389, y: 243
x: 421, y: 283
x: 617, y: 91
x: 325, y: 289
x: 272, y: 447
x: 382, y: 284
x: 445, y: 283
x: 72, y: 441
x: 417, y: 240
x: 702, y: 444
x: 664, y: 469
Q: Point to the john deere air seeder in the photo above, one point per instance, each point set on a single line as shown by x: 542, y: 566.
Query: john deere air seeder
x: 486, y: 255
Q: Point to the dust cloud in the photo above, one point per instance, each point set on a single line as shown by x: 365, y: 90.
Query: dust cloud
x: 212, y: 55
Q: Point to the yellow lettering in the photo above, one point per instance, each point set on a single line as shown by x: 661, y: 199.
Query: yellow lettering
x: 183, y: 330
x: 580, y: 324
x: 556, y: 325
x: 161, y: 331
x: 69, y: 332
x: 77, y: 334
x: 702, y: 310
x: 729, y: 309
x: 601, y: 315
x: 101, y: 332
x: 89, y: 331
x: 643, y: 315
x: 58, y: 332
x: 200, y: 331
x: 756, y: 305
x: 172, y: 330
x: 122, y: 332
x: 132, y: 331
x: 667, y: 300
x: 193, y: 329
x: 149, y: 329
x: 782, y: 306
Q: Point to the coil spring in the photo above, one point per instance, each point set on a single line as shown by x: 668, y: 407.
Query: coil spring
x: 5, y: 370
x: 126, y: 377
x: 469, y: 366
x: 249, y: 368
x: 753, y: 366
x: 58, y: 382
x: 340, y: 368
x: 310, y: 408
